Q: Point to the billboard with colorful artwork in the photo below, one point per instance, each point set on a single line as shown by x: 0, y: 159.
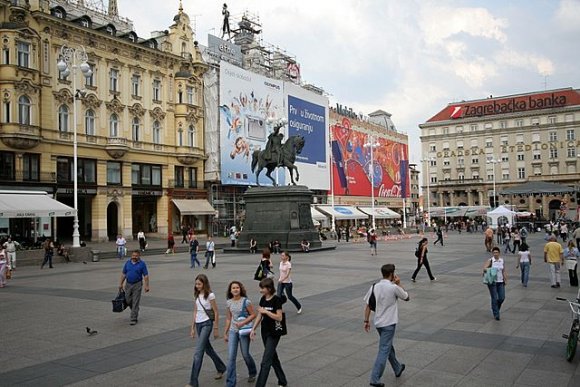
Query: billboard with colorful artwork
x: 351, y: 163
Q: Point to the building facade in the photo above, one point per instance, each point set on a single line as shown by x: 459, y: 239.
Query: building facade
x: 139, y: 118
x: 509, y: 140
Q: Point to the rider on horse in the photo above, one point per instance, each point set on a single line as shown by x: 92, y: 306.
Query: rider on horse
x: 274, y: 145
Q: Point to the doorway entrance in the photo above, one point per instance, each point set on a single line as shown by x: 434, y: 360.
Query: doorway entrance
x: 112, y: 221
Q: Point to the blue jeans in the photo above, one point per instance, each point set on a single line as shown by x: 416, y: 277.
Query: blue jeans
x: 209, y: 259
x: 497, y: 292
x: 194, y: 259
x: 525, y: 269
x: 244, y: 341
x: 386, y: 351
x: 287, y: 288
x: 270, y: 360
x: 120, y: 251
x: 203, y: 331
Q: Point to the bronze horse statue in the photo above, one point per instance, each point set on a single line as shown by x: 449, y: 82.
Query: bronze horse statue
x: 288, y: 152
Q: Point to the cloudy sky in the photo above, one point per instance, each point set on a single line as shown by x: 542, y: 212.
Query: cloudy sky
x: 408, y: 57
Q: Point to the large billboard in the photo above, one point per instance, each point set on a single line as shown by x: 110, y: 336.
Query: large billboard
x: 249, y: 103
x: 223, y: 50
x: 351, y: 163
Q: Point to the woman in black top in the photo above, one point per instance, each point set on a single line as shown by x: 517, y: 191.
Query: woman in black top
x: 270, y: 315
x: 422, y: 259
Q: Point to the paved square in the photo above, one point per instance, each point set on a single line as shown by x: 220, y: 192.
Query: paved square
x: 446, y: 334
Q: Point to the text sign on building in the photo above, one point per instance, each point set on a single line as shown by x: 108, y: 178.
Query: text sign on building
x: 308, y: 120
x: 221, y: 49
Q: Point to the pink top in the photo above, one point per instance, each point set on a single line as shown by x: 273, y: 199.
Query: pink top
x: 285, y: 271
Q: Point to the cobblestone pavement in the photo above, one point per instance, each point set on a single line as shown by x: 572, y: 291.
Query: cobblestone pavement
x: 446, y: 334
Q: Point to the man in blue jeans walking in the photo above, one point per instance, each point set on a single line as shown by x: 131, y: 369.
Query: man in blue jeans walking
x: 382, y: 298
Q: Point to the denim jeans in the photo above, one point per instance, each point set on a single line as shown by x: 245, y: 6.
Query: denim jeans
x: 244, y: 342
x: 386, y: 351
x: 287, y: 288
x: 209, y: 259
x: 497, y: 293
x: 120, y: 251
x: 203, y: 331
x: 525, y: 269
x: 270, y: 360
x: 194, y: 260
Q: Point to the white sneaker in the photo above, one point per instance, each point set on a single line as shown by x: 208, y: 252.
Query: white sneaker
x: 299, y: 311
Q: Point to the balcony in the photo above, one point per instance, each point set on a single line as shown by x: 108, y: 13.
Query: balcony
x: 116, y: 147
x: 188, y: 155
x: 456, y: 182
x: 559, y: 178
x: 19, y: 136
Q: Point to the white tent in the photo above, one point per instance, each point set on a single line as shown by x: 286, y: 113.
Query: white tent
x: 500, y: 216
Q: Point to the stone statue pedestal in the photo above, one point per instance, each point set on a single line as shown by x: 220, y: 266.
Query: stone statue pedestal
x: 279, y: 213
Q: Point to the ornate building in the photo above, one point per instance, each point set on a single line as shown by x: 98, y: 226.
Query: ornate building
x: 139, y: 117
x: 508, y: 140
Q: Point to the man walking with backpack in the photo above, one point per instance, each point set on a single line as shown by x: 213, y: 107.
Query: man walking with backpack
x: 382, y: 299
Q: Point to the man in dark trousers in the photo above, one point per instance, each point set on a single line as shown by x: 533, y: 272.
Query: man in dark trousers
x: 134, y: 274
x: 386, y: 293
x: 184, y: 230
x: 439, y: 233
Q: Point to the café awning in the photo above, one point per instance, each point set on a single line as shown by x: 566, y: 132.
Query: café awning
x: 342, y: 212
x: 193, y: 207
x: 380, y: 212
x: 317, y: 215
x: 31, y: 204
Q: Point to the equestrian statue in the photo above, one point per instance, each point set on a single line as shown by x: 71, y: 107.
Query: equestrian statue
x: 277, y: 154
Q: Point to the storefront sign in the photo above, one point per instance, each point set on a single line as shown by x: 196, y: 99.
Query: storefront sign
x: 475, y: 151
x: 80, y: 191
x: 147, y: 193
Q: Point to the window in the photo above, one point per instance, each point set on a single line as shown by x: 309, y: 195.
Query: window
x: 519, y: 138
x: 519, y: 123
x: 569, y: 118
x: 535, y: 121
x: 433, y: 148
x: 180, y: 137
x: 156, y: 132
x: 110, y: 30
x: 179, y: 177
x: 86, y: 170
x: 490, y: 177
x: 445, y: 146
x: 7, y: 166
x: 192, y: 177
x: 90, y: 123
x: 473, y: 127
x: 475, y: 160
x: 459, y: 144
x: 474, y: 143
x: 114, y: 173
x: 535, y: 137
x: 537, y: 155
x: 520, y: 157
x: 433, y: 163
x: 6, y: 55
x: 7, y: 111
x: 554, y: 170
x: 459, y: 129
x: 114, y: 80
x: 136, y: 126
x: 114, y: 126
x: 553, y: 136
x: 189, y: 92
x: 191, y: 136
x: 460, y: 161
x: 505, y: 175
x: 433, y: 179
x: 183, y: 50
x: 570, y: 134
x: 31, y: 167
x: 504, y: 140
x: 63, y: 118
x: 90, y: 80
x: 23, y: 50
x: 446, y: 163
x: 505, y: 159
x: 461, y: 177
x: 24, y: 110
x: 537, y: 171
x: 135, y: 81
x: 503, y: 124
x: 445, y: 130
x: 475, y: 176
x: 488, y: 125
x: 571, y: 152
x: 553, y: 153
x: 488, y: 143
x: 156, y: 90
x: 146, y: 174
x: 58, y: 13
x: 85, y: 23
x: 552, y: 120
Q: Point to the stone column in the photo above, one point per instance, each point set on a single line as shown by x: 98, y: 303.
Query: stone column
x: 469, y: 197
x: 441, y: 198
x: 480, y: 197
x: 531, y: 204
x: 451, y: 198
x: 545, y: 209
x: 99, y: 212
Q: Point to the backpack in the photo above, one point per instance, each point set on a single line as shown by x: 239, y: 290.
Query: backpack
x: 417, y: 252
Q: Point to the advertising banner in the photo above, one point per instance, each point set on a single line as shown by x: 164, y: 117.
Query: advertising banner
x: 351, y: 164
x: 308, y: 117
x: 249, y: 103
x: 223, y: 50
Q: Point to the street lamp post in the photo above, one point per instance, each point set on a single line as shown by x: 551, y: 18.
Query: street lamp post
x: 371, y: 144
x: 493, y: 162
x: 74, y: 58
x: 428, y: 161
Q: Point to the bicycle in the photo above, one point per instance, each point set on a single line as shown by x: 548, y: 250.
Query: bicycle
x: 572, y: 337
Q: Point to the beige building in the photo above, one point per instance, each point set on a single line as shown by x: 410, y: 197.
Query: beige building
x: 139, y: 118
x: 517, y: 139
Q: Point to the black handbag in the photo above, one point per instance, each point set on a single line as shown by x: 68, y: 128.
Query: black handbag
x: 120, y: 303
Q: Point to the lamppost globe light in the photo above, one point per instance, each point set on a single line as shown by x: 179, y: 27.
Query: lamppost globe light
x: 61, y: 65
x: 65, y: 73
x: 88, y: 73
x: 85, y: 67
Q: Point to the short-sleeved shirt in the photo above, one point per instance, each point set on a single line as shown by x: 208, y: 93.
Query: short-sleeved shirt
x: 235, y: 307
x: 524, y: 256
x: 498, y: 264
x: 121, y: 241
x: 553, y: 251
x: 202, y: 302
x: 210, y: 245
x: 489, y: 233
x: 386, y: 294
x: 134, y: 272
x: 193, y: 245
x: 285, y: 270
x: 269, y: 325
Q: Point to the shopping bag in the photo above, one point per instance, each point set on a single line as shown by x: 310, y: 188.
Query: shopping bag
x: 120, y: 303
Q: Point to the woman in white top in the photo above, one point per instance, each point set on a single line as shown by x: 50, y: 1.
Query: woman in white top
x: 203, y: 323
x: 496, y: 289
x: 285, y: 282
x: 142, y: 240
x: 524, y: 263
x: 571, y: 257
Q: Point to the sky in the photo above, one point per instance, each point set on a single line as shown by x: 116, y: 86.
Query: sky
x: 407, y: 57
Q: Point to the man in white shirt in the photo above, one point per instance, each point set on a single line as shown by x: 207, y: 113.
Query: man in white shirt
x: 386, y: 294
x: 11, y: 247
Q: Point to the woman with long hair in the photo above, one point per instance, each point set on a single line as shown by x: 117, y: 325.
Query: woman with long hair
x: 422, y: 259
x: 270, y: 317
x: 498, y: 280
x: 524, y: 263
x: 205, y: 320
x: 285, y: 282
x: 240, y: 313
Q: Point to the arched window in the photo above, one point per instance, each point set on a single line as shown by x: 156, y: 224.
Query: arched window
x: 191, y: 136
x: 180, y: 137
x: 136, y: 129
x: 63, y: 118
x: 24, y: 110
x: 114, y: 126
x: 90, y: 122
x: 156, y: 132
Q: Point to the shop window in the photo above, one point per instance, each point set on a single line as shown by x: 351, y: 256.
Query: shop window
x: 114, y: 173
x: 146, y: 175
x: 86, y: 170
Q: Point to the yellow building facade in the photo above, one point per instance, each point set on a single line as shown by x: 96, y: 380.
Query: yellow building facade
x: 139, y: 118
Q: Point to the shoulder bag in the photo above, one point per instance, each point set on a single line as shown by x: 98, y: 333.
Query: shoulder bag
x: 373, y: 300
x: 210, y: 313
x: 246, y: 329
